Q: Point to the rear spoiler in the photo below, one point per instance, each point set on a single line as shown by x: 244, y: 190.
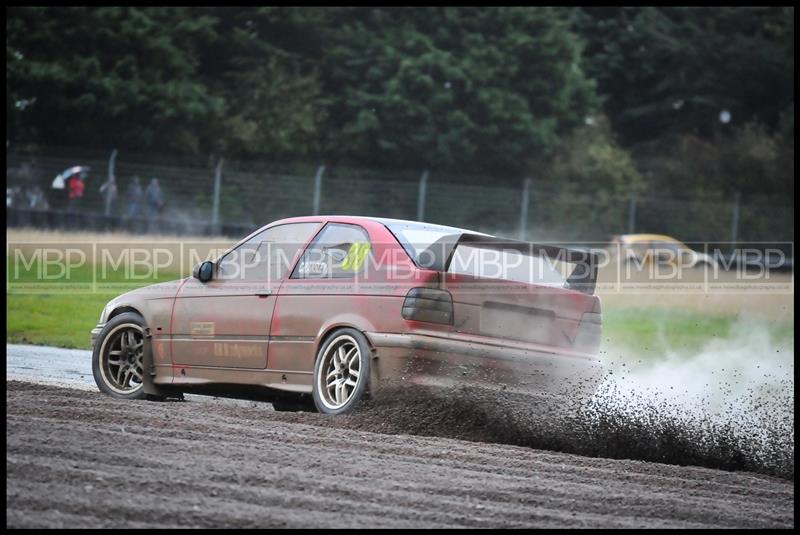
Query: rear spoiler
x: 583, y: 277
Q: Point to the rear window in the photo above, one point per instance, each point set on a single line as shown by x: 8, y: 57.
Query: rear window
x: 470, y: 259
x: 417, y: 237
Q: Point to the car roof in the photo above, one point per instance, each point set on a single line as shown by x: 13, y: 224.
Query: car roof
x: 352, y: 219
x: 381, y: 220
x: 633, y: 238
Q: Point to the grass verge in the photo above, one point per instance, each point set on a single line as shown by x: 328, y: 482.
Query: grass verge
x: 64, y: 320
x: 655, y: 331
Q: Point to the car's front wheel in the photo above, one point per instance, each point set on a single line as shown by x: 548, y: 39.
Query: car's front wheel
x: 118, y: 357
x: 341, y: 372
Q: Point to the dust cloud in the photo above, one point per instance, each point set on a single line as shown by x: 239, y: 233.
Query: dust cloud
x: 729, y: 405
x: 726, y: 374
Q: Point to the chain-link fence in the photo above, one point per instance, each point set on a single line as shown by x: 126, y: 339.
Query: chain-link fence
x: 229, y: 198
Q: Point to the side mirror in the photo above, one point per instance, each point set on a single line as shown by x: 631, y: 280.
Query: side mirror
x: 203, y: 271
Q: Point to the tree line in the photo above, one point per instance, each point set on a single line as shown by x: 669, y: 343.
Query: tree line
x: 598, y: 100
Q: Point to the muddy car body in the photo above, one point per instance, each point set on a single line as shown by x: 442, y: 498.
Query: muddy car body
x: 332, y: 308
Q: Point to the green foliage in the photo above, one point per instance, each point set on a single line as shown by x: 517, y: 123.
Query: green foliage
x: 588, y: 179
x: 668, y: 70
x: 107, y: 75
x: 748, y: 160
x: 501, y: 91
x: 591, y: 162
x: 454, y: 88
x: 268, y: 79
x: 446, y: 88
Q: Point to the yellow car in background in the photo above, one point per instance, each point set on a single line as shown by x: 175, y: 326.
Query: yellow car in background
x: 658, y: 248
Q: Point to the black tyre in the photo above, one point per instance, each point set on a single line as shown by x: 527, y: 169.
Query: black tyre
x: 341, y: 372
x: 118, y: 357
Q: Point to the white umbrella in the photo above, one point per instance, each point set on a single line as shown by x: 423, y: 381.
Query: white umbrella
x: 60, y: 180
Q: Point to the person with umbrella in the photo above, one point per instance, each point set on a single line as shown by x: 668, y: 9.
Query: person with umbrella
x: 76, y: 188
x: 74, y: 178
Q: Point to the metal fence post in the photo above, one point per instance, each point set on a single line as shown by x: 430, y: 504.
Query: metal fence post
x: 318, y: 189
x: 632, y: 215
x: 735, y: 221
x: 423, y: 188
x: 217, y: 188
x: 523, y: 213
x: 110, y: 186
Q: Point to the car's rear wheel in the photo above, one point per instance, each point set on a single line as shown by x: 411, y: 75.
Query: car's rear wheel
x: 341, y: 372
x: 118, y: 357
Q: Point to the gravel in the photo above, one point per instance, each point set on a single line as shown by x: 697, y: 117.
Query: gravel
x: 77, y: 458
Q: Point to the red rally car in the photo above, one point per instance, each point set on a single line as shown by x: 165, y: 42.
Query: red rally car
x: 331, y: 308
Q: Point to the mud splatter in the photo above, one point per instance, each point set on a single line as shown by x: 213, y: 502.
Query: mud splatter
x: 729, y: 406
x: 638, y: 429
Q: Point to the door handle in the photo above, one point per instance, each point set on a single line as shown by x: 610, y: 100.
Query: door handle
x: 263, y: 293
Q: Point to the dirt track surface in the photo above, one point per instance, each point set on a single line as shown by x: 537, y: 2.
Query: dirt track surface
x: 82, y: 459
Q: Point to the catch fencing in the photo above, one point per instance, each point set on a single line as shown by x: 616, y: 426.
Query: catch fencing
x: 232, y: 198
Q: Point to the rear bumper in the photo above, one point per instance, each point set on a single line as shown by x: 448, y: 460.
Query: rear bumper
x: 446, y: 359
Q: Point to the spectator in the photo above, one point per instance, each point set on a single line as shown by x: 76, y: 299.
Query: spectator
x: 154, y: 198
x: 134, y: 197
x: 75, y: 188
x: 14, y: 197
x: 37, y: 199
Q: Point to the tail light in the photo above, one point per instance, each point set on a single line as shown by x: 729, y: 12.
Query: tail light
x: 428, y: 304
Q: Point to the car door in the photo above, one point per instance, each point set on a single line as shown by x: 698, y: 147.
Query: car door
x: 320, y: 290
x: 226, y: 321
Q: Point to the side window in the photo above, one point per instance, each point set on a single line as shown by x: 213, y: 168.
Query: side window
x: 267, y: 256
x: 340, y: 251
